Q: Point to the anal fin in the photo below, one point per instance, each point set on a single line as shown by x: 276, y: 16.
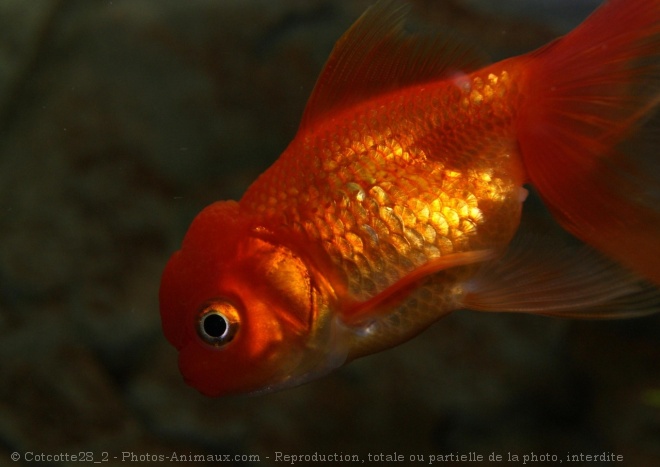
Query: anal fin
x: 559, y: 279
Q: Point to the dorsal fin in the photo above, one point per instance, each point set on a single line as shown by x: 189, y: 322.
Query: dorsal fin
x: 376, y: 56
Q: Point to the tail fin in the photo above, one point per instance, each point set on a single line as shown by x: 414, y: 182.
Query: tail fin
x: 589, y: 131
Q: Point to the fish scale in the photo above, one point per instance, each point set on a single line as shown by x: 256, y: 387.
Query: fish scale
x: 372, y: 172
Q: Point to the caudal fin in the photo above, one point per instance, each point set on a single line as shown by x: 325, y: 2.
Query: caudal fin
x: 590, y: 133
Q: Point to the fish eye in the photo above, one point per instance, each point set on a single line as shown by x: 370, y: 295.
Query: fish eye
x: 217, y: 323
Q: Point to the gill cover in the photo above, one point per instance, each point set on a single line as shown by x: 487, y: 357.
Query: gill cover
x: 242, y: 309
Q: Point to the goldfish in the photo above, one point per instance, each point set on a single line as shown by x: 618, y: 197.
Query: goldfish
x: 399, y: 201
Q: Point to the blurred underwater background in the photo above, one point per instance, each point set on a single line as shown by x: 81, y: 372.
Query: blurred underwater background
x: 119, y: 121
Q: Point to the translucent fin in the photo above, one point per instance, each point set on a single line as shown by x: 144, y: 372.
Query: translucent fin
x: 376, y: 56
x: 397, y: 292
x: 588, y: 135
x: 560, y: 279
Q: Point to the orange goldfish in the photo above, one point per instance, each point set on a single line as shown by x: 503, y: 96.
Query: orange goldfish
x: 398, y: 199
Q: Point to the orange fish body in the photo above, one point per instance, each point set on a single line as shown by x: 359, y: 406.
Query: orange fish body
x: 401, y: 192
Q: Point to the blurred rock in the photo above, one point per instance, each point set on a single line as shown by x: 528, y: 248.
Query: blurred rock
x: 55, y: 396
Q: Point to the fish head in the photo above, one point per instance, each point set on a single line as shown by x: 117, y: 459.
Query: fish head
x: 244, y: 311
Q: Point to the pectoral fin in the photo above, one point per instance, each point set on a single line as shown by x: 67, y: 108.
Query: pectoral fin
x: 357, y: 312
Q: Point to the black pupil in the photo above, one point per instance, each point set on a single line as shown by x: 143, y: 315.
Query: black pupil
x: 215, y: 325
